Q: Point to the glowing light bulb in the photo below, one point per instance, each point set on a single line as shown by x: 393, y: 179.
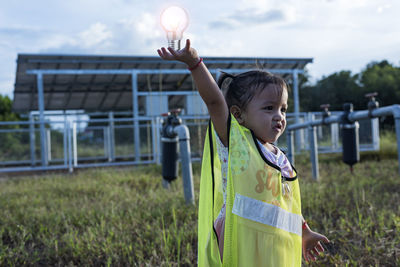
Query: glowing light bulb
x: 174, y: 20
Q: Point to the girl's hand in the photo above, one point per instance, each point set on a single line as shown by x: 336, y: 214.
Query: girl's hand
x: 187, y: 55
x: 311, y: 244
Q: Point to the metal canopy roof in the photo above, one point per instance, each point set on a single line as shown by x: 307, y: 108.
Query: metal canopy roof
x: 104, y: 83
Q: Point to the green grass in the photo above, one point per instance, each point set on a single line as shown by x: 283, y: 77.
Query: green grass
x: 124, y: 217
x: 95, y: 217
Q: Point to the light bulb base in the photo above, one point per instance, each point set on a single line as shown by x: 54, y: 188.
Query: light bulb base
x: 174, y: 44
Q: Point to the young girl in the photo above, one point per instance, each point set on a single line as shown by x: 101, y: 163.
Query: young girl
x: 249, y: 210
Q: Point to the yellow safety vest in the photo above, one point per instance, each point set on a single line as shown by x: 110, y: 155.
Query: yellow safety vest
x: 263, y: 221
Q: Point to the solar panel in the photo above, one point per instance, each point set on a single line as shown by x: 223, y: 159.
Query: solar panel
x: 112, y: 91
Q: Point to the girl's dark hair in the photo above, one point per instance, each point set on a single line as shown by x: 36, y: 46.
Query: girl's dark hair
x: 240, y: 89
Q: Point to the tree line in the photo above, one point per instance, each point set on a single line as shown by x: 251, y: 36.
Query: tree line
x: 344, y: 87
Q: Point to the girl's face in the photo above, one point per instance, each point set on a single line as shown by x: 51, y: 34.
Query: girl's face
x: 265, y: 114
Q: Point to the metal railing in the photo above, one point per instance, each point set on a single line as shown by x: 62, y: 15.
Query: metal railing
x: 68, y: 141
x: 311, y: 125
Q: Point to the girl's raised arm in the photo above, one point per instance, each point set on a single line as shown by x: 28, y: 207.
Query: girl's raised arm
x: 205, y: 83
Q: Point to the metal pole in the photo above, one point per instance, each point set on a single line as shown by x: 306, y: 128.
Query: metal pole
x: 43, y: 150
x: 397, y: 126
x: 334, y: 136
x: 159, y: 147
x: 314, y: 152
x: 290, y: 146
x: 48, y: 142
x: 65, y: 140
x: 111, y: 136
x: 32, y: 138
x: 184, y: 148
x: 153, y: 139
x: 74, y: 145
x: 375, y: 133
x: 296, y: 108
x: 393, y: 110
x: 70, y: 166
x: 135, y: 110
x: 106, y: 143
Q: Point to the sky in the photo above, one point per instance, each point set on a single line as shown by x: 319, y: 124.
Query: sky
x: 337, y: 34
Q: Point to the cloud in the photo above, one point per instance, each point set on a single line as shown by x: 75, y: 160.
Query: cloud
x: 31, y: 39
x: 382, y: 8
x: 136, y: 35
x: 253, y: 16
x: 222, y: 24
x: 248, y: 17
x: 97, y: 33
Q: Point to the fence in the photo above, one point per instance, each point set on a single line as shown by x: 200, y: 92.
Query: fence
x: 75, y: 142
x: 370, y: 115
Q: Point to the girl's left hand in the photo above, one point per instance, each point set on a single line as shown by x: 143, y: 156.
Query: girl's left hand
x: 311, y: 244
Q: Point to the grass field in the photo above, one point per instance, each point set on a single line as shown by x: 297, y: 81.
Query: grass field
x: 124, y: 217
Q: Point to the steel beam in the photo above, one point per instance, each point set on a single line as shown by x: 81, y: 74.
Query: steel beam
x: 296, y: 108
x: 65, y: 140
x: 159, y: 61
x: 111, y: 136
x: 135, y: 111
x: 32, y: 138
x: 74, y: 145
x: 43, y: 150
x: 312, y: 133
x: 146, y: 71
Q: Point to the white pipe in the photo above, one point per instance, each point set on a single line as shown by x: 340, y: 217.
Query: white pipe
x: 187, y: 177
x: 312, y: 134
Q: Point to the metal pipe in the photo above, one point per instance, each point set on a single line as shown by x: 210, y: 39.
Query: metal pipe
x: 112, y: 135
x: 146, y: 71
x: 65, y: 140
x: 22, y: 169
x: 296, y: 107
x: 69, y: 134
x: 141, y: 118
x: 328, y: 120
x: 334, y: 136
x: 159, y: 146
x: 106, y: 164
x: 106, y: 144
x: 74, y: 145
x: 375, y: 133
x: 313, y: 152
x: 396, y: 115
x: 397, y: 125
x: 43, y: 150
x: 157, y: 60
x: 22, y: 122
x: 60, y: 167
x: 48, y: 144
x: 393, y: 110
x: 153, y: 139
x: 184, y: 147
x: 163, y: 93
x: 135, y: 110
x: 32, y: 138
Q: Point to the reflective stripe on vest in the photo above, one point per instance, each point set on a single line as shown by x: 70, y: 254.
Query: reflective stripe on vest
x: 266, y: 213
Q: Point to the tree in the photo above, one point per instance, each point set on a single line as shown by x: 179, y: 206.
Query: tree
x: 6, y: 113
x: 10, y: 142
x: 383, y: 78
x: 336, y: 89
